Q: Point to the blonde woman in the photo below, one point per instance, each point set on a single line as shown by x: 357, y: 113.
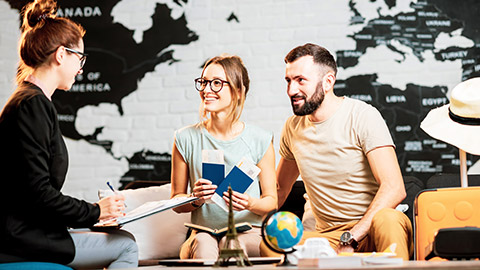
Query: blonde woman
x: 223, y: 86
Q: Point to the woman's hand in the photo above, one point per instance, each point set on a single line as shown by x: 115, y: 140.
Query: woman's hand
x: 111, y: 207
x: 240, y: 201
x: 204, y: 190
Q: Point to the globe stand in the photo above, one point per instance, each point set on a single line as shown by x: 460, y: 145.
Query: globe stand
x: 236, y: 251
x: 285, y: 261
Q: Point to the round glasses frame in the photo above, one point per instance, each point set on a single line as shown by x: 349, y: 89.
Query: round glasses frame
x: 82, y: 56
x: 216, y: 84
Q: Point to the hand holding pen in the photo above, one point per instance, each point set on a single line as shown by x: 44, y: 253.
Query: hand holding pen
x: 112, y: 206
x: 115, y: 192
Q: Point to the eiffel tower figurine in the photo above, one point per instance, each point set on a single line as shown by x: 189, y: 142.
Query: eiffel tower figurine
x: 232, y: 248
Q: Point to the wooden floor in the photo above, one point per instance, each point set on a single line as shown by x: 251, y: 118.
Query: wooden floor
x: 410, y: 265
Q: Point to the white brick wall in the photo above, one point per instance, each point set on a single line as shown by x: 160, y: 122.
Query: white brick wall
x: 166, y: 99
x: 9, y: 35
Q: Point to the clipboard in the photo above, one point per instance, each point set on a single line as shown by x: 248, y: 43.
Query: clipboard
x: 145, y: 210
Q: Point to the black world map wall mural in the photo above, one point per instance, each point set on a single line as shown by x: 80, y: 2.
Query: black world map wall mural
x: 403, y: 109
x: 117, y: 63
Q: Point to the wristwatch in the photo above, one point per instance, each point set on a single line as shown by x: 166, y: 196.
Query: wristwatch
x: 347, y: 239
x: 196, y: 205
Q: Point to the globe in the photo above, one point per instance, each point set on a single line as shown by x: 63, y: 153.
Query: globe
x: 282, y: 231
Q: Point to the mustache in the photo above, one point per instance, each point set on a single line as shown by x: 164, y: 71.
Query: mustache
x: 298, y: 96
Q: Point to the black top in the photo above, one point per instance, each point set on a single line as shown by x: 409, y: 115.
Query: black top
x: 34, y: 214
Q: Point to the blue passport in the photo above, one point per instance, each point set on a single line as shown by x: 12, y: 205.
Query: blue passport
x: 237, y: 179
x: 213, y: 172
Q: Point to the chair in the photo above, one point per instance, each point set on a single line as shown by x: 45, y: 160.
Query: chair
x: 143, y: 184
x: 295, y: 201
x: 413, y: 186
x: 444, y: 180
x: 33, y: 266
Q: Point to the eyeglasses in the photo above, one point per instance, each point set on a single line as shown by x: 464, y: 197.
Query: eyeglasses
x: 83, y: 56
x: 216, y: 84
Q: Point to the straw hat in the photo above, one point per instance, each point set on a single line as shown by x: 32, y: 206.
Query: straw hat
x: 458, y: 123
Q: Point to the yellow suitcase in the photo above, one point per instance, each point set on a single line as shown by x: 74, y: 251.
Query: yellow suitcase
x: 443, y: 208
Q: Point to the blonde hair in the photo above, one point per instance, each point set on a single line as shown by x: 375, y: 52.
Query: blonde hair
x: 239, y: 83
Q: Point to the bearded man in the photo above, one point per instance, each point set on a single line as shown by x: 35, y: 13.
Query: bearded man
x: 344, y: 153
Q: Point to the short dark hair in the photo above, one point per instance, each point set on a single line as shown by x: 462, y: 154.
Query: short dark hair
x: 320, y: 55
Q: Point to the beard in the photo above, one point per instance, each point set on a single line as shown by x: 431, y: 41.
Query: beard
x: 311, y: 105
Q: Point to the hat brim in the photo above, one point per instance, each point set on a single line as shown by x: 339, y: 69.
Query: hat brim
x: 438, y: 124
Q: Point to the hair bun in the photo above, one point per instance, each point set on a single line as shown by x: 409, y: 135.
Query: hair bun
x: 42, y: 17
x: 38, y: 11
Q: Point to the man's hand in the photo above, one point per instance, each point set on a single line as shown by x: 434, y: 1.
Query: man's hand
x: 343, y: 248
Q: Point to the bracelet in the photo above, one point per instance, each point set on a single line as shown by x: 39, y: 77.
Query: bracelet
x: 195, y: 205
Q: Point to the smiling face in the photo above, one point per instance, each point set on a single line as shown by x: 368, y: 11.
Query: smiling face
x: 304, y: 79
x: 219, y: 102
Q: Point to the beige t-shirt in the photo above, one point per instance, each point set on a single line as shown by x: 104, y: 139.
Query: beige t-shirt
x: 331, y: 158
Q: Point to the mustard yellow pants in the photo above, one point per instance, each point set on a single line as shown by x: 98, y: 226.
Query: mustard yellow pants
x: 388, y: 226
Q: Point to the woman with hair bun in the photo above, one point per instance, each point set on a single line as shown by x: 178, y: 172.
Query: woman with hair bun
x: 223, y: 87
x: 34, y: 214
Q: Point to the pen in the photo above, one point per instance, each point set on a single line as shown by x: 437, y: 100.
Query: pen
x: 110, y: 186
x: 114, y: 191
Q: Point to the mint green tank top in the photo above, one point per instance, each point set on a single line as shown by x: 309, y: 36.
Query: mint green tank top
x: 252, y: 143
